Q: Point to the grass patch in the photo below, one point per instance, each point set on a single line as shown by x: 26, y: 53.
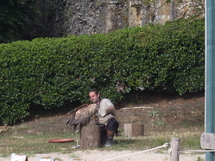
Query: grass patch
x: 37, y: 143
x: 30, y: 143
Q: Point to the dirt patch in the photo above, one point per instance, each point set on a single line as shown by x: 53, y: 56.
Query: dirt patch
x: 96, y: 155
x: 162, y: 112
x: 157, y: 113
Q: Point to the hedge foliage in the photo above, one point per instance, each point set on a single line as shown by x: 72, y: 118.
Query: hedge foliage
x: 53, y: 72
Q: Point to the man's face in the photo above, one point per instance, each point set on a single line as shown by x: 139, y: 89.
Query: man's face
x: 94, y: 97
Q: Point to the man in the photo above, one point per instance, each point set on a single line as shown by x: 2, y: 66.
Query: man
x: 105, y: 116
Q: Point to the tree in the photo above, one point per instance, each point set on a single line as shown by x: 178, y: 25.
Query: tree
x: 13, y: 17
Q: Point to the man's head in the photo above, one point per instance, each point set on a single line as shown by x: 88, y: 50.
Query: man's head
x: 94, y: 95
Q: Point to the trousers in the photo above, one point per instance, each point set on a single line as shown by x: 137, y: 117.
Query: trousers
x: 112, y: 126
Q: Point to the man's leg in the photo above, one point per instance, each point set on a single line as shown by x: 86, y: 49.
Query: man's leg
x: 112, y: 127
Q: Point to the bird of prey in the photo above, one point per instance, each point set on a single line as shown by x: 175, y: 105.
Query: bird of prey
x: 81, y: 115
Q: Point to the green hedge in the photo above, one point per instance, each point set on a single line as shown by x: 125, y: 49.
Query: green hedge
x: 54, y: 72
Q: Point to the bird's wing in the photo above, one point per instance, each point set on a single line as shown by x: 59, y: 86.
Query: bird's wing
x: 77, y: 108
x: 81, y: 115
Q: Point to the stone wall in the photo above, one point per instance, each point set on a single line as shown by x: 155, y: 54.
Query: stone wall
x: 103, y: 16
x: 89, y: 16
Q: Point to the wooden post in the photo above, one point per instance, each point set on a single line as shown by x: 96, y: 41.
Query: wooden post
x: 175, y: 149
x: 133, y: 130
x: 90, y: 136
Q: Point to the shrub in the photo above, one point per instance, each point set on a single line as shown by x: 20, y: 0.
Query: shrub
x: 54, y: 72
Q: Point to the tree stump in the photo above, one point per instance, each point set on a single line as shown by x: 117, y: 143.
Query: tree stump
x: 134, y: 130
x: 90, y: 136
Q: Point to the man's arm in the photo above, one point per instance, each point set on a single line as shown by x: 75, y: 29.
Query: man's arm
x: 111, y: 110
